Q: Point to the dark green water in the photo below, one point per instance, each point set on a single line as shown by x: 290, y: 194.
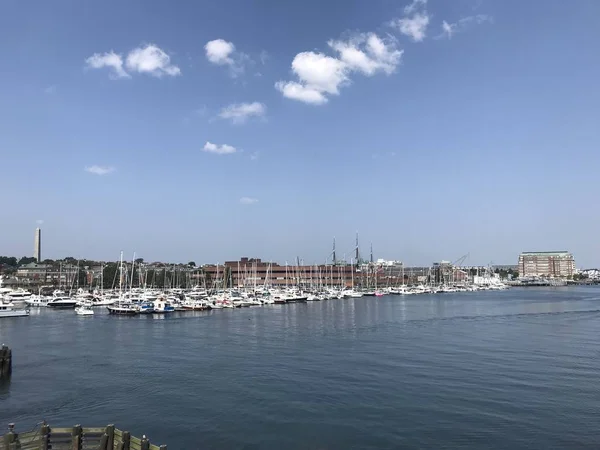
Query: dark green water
x: 517, y: 369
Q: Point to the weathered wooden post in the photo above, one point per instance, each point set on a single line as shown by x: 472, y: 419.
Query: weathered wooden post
x: 10, y: 437
x: 163, y: 447
x: 45, y: 434
x: 103, y: 442
x: 145, y: 443
x: 77, y: 438
x: 126, y: 440
x: 5, y: 361
x: 110, y: 431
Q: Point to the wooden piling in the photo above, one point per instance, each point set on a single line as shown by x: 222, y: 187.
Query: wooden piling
x: 103, y: 442
x: 110, y: 431
x: 10, y: 438
x: 5, y: 361
x: 126, y: 440
x: 145, y: 444
x: 77, y: 438
x: 45, y: 436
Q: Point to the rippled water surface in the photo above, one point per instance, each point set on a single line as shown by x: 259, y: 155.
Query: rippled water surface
x: 517, y: 369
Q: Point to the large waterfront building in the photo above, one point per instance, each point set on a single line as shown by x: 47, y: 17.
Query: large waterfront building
x: 37, y: 245
x: 560, y: 264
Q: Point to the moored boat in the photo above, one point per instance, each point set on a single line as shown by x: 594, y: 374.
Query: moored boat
x: 7, y: 310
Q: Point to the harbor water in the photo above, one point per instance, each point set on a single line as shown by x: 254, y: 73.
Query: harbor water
x: 516, y: 369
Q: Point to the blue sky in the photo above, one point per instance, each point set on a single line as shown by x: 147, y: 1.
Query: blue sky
x: 210, y: 130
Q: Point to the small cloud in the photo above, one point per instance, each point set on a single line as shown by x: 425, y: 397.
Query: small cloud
x: 248, y: 200
x: 414, y: 6
x: 223, y: 149
x: 50, y: 90
x: 100, y: 170
x: 254, y: 156
x: 391, y: 153
x: 450, y: 29
x: 151, y: 60
x: 110, y: 60
x: 415, y: 21
x: 239, y: 112
x: 320, y: 75
x: 264, y: 56
x: 39, y: 222
x: 224, y: 53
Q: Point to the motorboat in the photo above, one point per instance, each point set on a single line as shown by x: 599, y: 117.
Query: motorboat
x: 146, y: 308
x: 19, y: 294
x: 161, y: 307
x: 84, y: 311
x: 38, y: 301
x: 123, y: 309
x: 351, y: 293
x: 7, y: 310
x: 59, y: 301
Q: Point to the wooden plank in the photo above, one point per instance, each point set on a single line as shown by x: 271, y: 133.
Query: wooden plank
x: 135, y: 440
x: 98, y: 431
x: 118, y: 434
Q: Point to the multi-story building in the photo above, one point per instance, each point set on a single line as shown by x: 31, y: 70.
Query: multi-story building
x: 559, y: 264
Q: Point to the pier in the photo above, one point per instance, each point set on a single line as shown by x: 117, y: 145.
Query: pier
x: 74, y: 438
x: 5, y: 362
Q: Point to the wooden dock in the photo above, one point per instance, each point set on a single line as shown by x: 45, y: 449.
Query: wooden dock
x: 5, y: 361
x: 45, y: 437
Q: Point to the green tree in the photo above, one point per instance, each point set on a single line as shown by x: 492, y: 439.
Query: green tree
x: 191, y: 264
x: 8, y: 260
x: 139, y: 260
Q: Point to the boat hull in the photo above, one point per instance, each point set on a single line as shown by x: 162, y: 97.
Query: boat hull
x: 14, y: 313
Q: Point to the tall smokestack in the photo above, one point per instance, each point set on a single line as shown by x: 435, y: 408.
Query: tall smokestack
x: 37, y: 245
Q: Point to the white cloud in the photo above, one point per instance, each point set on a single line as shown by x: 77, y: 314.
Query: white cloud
x: 223, y: 53
x: 302, y: 93
x: 449, y: 29
x: 320, y: 75
x: 414, y: 6
x: 414, y: 27
x: 151, y: 60
x: 248, y: 200
x: 415, y: 21
x: 50, y: 90
x: 264, y: 56
x: 100, y: 170
x: 111, y: 60
x: 218, y: 149
x: 219, y: 51
x: 376, y: 56
x: 240, y: 112
x: 254, y: 156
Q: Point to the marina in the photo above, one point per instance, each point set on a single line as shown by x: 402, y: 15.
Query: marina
x: 492, y: 369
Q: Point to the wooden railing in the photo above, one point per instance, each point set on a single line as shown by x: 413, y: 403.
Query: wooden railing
x: 75, y: 438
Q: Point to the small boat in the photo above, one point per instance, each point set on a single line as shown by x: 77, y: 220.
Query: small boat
x: 7, y: 310
x: 17, y: 294
x: 60, y: 302
x: 379, y: 294
x: 38, y: 301
x: 84, y: 311
x: 123, y: 309
x: 146, y: 308
x: 162, y: 307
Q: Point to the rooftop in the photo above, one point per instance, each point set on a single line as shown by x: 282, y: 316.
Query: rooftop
x: 563, y: 252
